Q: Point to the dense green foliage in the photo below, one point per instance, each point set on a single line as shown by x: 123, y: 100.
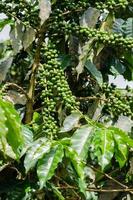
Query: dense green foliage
x: 65, y: 131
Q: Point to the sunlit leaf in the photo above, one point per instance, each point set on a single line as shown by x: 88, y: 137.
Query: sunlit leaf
x: 80, y: 141
x: 123, y: 135
x: 47, y: 165
x: 71, y: 121
x: 35, y: 152
x: 102, y: 146
x: 78, y: 167
x: 14, y: 135
x: 28, y: 139
x: 121, y: 150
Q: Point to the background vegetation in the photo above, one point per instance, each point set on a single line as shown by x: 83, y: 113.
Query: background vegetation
x: 65, y: 133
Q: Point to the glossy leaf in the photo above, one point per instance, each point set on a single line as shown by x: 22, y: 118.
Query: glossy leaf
x: 71, y: 121
x: 3, y: 128
x: 121, y: 150
x: 123, y: 135
x: 36, y: 152
x: 102, y: 146
x: 14, y: 135
x: 78, y: 167
x: 28, y: 139
x: 80, y: 141
x: 48, y: 164
x: 6, y: 149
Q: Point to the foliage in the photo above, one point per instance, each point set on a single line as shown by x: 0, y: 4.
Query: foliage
x: 65, y: 132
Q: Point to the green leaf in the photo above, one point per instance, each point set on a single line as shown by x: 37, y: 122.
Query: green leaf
x: 122, y: 143
x: 65, y: 141
x: 117, y: 68
x: 102, y: 146
x: 65, y: 61
x: 123, y: 135
x: 129, y: 58
x: 48, y: 164
x: 4, y: 22
x: 14, y: 135
x: 28, y: 139
x: 36, y: 152
x: 121, y: 150
x: 94, y: 71
x: 45, y: 10
x: 28, y: 135
x: 6, y: 149
x: 80, y: 141
x: 78, y: 167
x: 3, y: 128
x: 71, y: 121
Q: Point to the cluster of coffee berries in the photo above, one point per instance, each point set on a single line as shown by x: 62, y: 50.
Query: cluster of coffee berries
x: 117, y: 101
x: 113, y: 39
x: 112, y: 4
x: 72, y: 5
x: 22, y: 10
x: 55, y: 90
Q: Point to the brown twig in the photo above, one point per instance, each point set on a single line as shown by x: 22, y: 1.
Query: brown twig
x: 91, y: 98
x: 109, y: 177
x: 17, y: 87
x: 19, y: 20
x: 98, y: 190
x: 30, y: 102
x: 67, y: 185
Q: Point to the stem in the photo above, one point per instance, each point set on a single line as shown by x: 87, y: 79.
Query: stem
x: 67, y: 185
x: 90, y: 98
x: 30, y: 102
x: 109, y: 177
x: 98, y: 190
x: 17, y: 87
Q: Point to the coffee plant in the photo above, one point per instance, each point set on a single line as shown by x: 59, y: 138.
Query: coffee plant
x: 65, y: 130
